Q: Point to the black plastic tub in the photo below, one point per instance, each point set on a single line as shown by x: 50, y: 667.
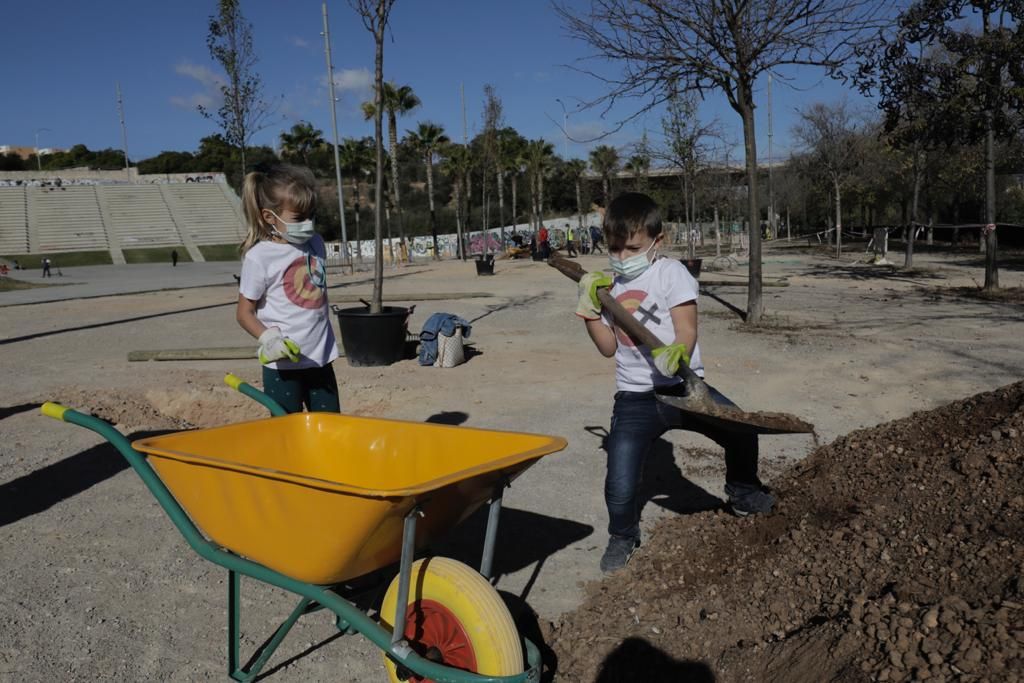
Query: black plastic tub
x: 693, y: 265
x: 485, y: 264
x: 372, y: 339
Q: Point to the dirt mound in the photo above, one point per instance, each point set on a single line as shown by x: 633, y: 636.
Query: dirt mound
x: 896, y: 553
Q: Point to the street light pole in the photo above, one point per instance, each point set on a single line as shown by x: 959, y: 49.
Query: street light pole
x: 334, y: 125
x: 39, y: 162
x: 565, y: 130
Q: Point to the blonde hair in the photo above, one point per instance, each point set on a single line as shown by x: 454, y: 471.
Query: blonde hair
x: 271, y: 187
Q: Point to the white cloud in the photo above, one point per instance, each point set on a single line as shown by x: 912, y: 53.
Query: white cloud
x: 200, y: 73
x: 299, y: 42
x: 210, y: 81
x: 195, y: 100
x: 353, y: 80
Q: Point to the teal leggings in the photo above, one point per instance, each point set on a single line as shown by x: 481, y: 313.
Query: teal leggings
x: 315, y: 388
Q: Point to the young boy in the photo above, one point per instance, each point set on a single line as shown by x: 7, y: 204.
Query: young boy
x: 662, y: 295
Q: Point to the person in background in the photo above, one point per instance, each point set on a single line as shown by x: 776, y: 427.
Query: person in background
x: 595, y: 239
x: 570, y: 241
x: 174, y: 258
x: 282, y: 292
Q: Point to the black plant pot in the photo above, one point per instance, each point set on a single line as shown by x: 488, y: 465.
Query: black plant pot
x: 485, y: 265
x: 372, y: 339
x: 693, y: 265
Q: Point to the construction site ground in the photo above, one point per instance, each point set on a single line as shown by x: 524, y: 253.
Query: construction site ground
x: 98, y: 585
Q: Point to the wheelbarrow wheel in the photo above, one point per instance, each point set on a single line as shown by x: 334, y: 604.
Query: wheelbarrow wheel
x: 456, y: 618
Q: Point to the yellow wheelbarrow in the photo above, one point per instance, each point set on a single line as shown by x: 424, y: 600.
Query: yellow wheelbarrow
x: 309, y: 501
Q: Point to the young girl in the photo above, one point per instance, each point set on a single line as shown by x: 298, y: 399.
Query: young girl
x: 282, y: 294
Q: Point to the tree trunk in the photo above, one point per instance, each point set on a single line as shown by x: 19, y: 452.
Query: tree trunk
x: 606, y: 188
x: 469, y: 211
x: 355, y: 196
x: 501, y: 205
x: 458, y: 218
x: 514, y: 183
x: 991, y: 267
x: 378, y: 135
x: 908, y: 258
x: 395, y: 199
x: 839, y: 221
x: 430, y: 199
x: 718, y: 235
x: 755, y: 304
x: 579, y: 206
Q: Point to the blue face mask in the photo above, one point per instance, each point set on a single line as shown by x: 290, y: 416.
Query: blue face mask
x: 633, y: 266
x: 296, y: 233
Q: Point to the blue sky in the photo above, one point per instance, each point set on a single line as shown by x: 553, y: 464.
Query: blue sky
x: 64, y: 57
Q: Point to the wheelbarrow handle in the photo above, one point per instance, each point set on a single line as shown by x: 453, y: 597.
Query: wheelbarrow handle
x: 242, y: 387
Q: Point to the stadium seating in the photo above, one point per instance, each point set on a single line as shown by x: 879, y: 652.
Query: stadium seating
x: 66, y: 219
x: 139, y: 217
x: 13, y: 221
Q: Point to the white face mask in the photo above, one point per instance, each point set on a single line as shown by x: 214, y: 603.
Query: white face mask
x: 296, y: 233
x: 633, y: 266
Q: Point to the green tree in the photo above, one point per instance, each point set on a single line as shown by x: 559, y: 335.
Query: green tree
x: 457, y: 164
x: 243, y: 110
x: 605, y: 162
x: 540, y: 156
x: 357, y: 159
x: 396, y: 100
x: 298, y: 143
x: 576, y: 168
x: 428, y: 139
x: 510, y: 145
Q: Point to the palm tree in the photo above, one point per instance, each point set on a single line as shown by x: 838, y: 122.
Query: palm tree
x: 638, y: 165
x: 539, y: 155
x: 300, y: 141
x: 428, y: 139
x: 396, y: 100
x: 457, y: 164
x: 605, y: 161
x: 509, y: 148
x: 356, y: 162
x: 575, y: 168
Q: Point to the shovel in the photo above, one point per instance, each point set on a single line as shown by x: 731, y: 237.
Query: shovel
x: 696, y: 400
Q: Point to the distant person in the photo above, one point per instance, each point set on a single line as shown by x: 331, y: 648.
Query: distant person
x: 46, y: 268
x: 595, y: 239
x: 570, y: 241
x: 584, y: 242
x: 17, y: 266
x: 282, y: 292
x: 174, y: 258
x: 666, y: 294
x: 545, y: 245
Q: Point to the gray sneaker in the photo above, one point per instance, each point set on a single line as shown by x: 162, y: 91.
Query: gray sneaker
x: 618, y: 552
x: 749, y: 500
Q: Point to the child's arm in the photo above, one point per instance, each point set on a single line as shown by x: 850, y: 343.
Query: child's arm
x: 603, y: 337
x: 245, y: 314
x: 684, y: 320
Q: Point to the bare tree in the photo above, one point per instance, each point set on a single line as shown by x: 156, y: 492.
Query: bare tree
x: 375, y: 14
x: 243, y: 111
x: 831, y: 138
x: 724, y: 45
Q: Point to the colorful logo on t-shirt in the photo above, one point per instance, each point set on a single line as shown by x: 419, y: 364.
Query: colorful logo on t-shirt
x: 304, y: 281
x: 632, y: 300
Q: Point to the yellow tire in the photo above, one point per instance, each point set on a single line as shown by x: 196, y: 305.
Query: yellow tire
x: 456, y: 617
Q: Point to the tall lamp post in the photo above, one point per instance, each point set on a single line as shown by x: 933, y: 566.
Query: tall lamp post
x: 565, y: 130
x: 39, y: 162
x: 334, y: 125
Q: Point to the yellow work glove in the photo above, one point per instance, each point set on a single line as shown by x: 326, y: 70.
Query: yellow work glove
x: 667, y: 358
x: 589, y: 306
x: 275, y: 346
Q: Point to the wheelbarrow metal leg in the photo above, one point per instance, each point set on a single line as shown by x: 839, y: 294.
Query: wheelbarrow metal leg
x: 405, y: 573
x: 491, y: 535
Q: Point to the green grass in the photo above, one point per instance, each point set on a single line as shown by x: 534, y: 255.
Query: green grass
x: 65, y: 259
x: 9, y: 284
x: 156, y: 255
x: 220, y: 252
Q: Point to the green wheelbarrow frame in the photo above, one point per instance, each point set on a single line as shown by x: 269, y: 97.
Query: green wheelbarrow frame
x: 349, y: 617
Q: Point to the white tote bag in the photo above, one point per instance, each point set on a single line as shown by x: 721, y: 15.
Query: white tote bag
x: 449, y: 350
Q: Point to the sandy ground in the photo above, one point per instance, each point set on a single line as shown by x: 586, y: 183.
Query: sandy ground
x: 99, y: 586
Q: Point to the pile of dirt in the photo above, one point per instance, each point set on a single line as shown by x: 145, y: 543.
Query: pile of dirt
x: 896, y: 554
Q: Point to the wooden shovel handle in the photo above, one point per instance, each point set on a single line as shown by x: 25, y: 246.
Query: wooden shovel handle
x: 633, y: 327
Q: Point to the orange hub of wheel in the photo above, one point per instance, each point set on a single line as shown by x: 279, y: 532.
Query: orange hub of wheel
x: 435, y: 633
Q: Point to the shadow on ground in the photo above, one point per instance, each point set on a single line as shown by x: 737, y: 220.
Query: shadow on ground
x: 637, y: 661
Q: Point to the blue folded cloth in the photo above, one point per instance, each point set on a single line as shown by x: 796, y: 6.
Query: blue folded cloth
x: 443, y: 324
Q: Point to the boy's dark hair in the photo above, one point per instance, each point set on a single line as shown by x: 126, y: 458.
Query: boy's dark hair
x: 628, y: 214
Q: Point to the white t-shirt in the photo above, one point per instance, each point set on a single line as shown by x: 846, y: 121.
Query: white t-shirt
x: 649, y: 297
x: 289, y: 282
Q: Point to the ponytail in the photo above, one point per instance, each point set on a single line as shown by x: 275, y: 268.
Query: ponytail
x: 270, y: 188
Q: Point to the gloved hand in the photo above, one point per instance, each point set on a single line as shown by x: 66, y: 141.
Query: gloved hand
x: 589, y: 307
x: 667, y: 358
x: 276, y: 346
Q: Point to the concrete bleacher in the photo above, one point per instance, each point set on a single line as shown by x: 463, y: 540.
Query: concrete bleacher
x: 139, y: 216
x: 65, y: 219
x: 13, y: 221
x: 118, y: 217
x: 206, y: 213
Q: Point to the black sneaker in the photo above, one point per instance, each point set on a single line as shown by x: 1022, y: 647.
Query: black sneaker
x: 618, y: 552
x: 749, y: 500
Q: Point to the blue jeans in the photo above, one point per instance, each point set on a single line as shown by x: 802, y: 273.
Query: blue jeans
x: 638, y: 419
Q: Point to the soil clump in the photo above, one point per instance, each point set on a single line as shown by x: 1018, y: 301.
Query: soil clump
x: 896, y: 553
